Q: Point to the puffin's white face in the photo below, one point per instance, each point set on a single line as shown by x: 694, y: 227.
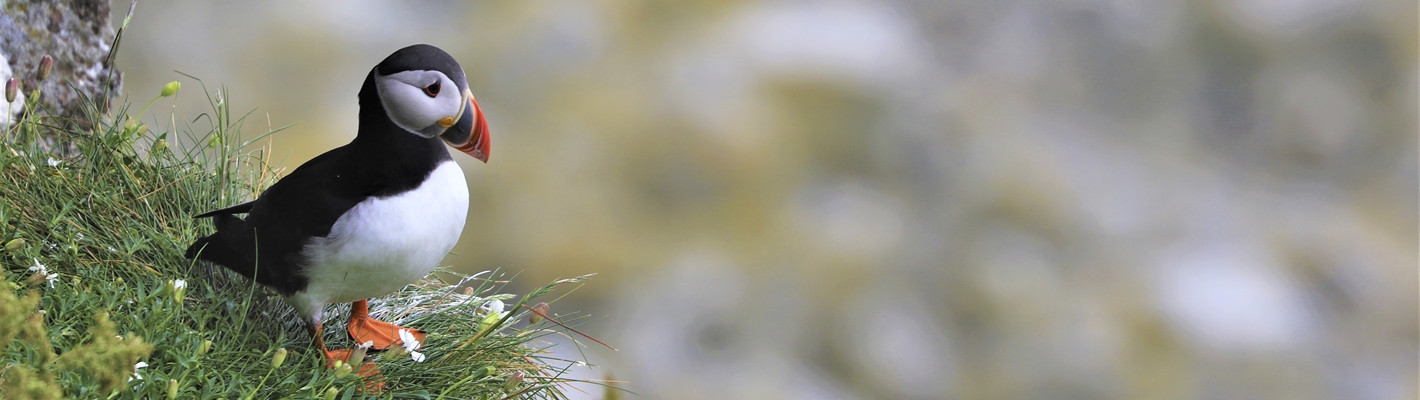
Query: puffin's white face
x: 423, y: 102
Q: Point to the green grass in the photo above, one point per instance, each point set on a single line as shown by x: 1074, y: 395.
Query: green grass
x: 112, y: 224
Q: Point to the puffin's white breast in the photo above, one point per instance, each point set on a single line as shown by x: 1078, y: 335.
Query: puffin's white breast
x: 383, y: 244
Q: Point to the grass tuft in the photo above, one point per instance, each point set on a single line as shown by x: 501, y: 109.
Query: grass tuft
x: 95, y: 284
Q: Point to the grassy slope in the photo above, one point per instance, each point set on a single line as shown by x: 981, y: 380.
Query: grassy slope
x: 113, y: 225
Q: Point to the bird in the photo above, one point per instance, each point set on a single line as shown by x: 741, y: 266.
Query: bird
x: 364, y: 219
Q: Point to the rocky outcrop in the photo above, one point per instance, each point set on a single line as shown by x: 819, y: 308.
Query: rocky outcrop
x: 77, y: 33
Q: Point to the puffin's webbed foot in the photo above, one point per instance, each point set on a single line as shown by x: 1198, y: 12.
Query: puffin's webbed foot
x: 366, y: 369
x: 382, y: 335
x: 374, y: 382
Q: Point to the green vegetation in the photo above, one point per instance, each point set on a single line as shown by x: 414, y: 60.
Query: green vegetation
x: 95, y: 283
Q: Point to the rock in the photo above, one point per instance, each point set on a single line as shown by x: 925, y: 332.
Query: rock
x: 77, y: 34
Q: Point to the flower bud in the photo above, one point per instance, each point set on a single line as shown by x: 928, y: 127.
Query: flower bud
x: 171, y: 88
x: 36, y: 279
x: 539, y: 310
x: 205, y: 347
x: 487, y: 321
x: 330, y: 394
x: 15, y: 244
x: 482, y: 372
x: 45, y: 65
x: 12, y: 88
x: 343, y: 370
x: 172, y: 383
x: 357, y: 355
x: 279, y: 358
x: 515, y: 379
x: 178, y: 286
x: 158, y: 147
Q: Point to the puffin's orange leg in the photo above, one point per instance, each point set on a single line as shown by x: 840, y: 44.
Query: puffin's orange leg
x: 382, y: 334
x: 317, y: 332
x: 374, y: 382
x: 331, y: 356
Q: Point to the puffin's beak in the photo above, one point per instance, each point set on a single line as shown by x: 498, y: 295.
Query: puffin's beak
x: 470, y: 133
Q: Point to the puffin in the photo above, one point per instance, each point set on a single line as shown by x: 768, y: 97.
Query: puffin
x: 364, y: 219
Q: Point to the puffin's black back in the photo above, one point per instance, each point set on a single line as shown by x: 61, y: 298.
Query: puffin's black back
x: 383, y: 160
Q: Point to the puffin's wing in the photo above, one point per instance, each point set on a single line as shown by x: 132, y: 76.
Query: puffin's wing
x: 308, y: 201
x: 308, y: 171
x: 301, y: 206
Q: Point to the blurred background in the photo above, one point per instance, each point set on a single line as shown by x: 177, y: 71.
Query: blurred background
x: 914, y: 199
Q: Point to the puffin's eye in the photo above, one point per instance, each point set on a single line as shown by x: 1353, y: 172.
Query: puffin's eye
x: 432, y: 90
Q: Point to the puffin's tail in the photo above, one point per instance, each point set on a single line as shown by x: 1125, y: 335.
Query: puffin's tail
x: 205, y: 247
x: 215, y: 247
x: 196, y: 247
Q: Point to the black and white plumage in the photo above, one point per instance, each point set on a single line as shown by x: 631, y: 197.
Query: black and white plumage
x: 367, y: 218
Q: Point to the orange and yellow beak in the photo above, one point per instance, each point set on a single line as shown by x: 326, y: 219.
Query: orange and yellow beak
x: 470, y: 133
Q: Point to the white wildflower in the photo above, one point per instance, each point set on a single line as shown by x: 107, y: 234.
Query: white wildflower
x: 494, y: 307
x: 136, y: 367
x: 368, y: 344
x: 493, y: 314
x: 52, y: 162
x: 177, y: 288
x: 39, y: 269
x: 411, y: 344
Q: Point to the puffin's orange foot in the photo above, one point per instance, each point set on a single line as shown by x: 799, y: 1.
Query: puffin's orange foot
x: 382, y: 335
x: 342, y: 355
x: 374, y: 382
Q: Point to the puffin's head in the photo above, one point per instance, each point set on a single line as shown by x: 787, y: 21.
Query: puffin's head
x: 423, y: 90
